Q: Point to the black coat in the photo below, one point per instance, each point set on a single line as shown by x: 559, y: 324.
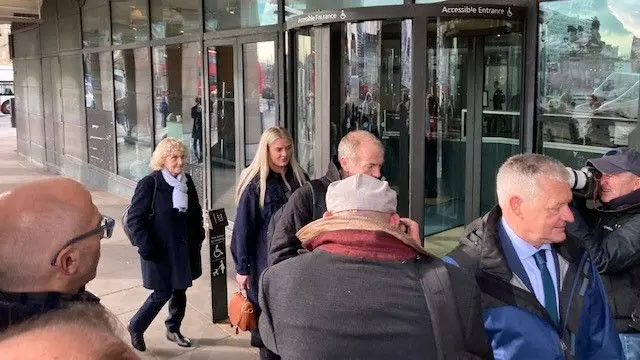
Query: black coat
x: 613, y: 239
x: 249, y: 243
x: 169, y: 243
x: 297, y: 213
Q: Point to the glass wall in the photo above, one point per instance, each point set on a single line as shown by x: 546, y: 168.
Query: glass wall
x: 260, y: 89
x: 95, y: 24
x: 129, y: 21
x: 98, y: 84
x: 175, y: 18
x: 589, y: 78
x: 131, y: 77
x: 177, y: 100
x: 224, y: 15
x: 299, y: 7
x: 222, y: 131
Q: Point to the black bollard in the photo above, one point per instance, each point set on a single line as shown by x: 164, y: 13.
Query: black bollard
x: 217, y: 259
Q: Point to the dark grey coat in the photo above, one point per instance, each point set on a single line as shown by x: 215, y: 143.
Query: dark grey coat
x: 169, y: 244
x: 327, y: 306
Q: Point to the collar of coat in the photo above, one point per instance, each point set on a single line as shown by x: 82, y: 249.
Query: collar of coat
x: 482, y: 236
x: 359, y: 236
x: 47, y: 300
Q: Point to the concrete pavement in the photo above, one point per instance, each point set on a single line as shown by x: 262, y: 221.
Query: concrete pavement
x: 119, y: 284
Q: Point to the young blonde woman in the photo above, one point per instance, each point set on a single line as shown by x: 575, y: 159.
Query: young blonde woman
x: 263, y: 187
x: 169, y: 241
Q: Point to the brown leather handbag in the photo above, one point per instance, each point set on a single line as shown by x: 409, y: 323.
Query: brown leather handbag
x: 241, y: 313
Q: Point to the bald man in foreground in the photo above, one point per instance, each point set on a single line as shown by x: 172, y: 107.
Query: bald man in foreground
x: 49, y: 247
x: 82, y: 331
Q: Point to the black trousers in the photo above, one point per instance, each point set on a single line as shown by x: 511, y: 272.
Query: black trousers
x: 152, y: 306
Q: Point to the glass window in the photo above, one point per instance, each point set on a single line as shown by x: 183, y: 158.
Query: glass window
x: 298, y: 7
x: 224, y: 15
x: 175, y: 18
x: 129, y: 21
x: 99, y: 104
x: 177, y: 94
x: 260, y: 88
x: 95, y: 25
x: 589, y: 78
x: 131, y: 78
x: 222, y: 132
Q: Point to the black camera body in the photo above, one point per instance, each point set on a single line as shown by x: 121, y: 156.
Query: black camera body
x: 583, y: 181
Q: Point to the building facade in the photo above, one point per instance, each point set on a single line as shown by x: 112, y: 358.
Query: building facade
x: 451, y: 88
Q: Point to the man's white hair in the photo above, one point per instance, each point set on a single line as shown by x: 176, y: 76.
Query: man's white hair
x: 519, y: 175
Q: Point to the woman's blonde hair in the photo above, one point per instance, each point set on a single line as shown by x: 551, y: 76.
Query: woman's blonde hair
x: 168, y: 146
x: 260, y: 163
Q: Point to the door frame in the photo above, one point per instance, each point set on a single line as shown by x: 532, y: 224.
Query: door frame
x: 237, y: 43
x: 421, y: 16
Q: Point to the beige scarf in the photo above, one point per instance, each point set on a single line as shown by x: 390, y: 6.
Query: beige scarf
x: 355, y: 222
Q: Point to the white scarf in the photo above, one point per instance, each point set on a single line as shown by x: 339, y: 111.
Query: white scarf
x: 179, y: 184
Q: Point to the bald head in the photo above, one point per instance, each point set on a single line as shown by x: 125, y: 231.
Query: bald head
x: 83, y: 331
x: 38, y: 219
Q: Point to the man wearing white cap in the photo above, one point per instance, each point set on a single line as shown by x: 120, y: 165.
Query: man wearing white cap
x: 367, y: 289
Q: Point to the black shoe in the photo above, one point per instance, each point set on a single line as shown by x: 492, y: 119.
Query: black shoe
x: 177, y: 338
x: 137, y: 340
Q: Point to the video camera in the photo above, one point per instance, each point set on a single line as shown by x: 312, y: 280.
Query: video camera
x: 583, y: 181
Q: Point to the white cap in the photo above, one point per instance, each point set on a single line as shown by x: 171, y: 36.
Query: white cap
x: 361, y: 192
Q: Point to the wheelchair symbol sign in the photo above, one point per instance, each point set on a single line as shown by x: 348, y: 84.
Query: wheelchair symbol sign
x: 217, y: 252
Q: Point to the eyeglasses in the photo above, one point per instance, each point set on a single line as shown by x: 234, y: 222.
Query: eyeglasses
x: 104, y: 229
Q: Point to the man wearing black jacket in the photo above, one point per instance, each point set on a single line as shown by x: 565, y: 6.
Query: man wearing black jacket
x: 359, y: 152
x: 611, y: 232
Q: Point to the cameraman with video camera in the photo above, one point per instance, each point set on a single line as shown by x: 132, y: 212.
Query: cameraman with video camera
x: 607, y: 218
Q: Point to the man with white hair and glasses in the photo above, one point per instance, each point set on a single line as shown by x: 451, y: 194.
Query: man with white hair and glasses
x: 541, y: 293
x: 49, y: 247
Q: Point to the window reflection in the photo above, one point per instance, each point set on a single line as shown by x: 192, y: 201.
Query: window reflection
x: 589, y: 78
x: 175, y: 18
x: 98, y: 83
x: 95, y: 25
x: 131, y: 76
x: 377, y: 85
x: 305, y: 101
x: 129, y: 21
x: 260, y: 87
x: 177, y: 94
x: 222, y: 130
x: 224, y: 15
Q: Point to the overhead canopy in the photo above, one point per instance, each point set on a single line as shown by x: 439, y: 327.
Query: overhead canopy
x: 19, y: 11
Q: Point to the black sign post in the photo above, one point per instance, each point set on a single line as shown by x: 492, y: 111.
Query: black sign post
x: 217, y: 260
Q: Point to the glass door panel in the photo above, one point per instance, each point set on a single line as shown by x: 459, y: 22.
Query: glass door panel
x: 472, y: 123
x: 306, y: 93
x: 501, y: 115
x: 260, y: 82
x: 445, y: 133
x: 222, y: 132
x: 376, y: 84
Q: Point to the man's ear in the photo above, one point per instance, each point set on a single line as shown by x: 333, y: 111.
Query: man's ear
x: 394, y: 220
x: 68, y: 260
x: 344, y: 163
x: 327, y: 215
x: 515, y: 203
